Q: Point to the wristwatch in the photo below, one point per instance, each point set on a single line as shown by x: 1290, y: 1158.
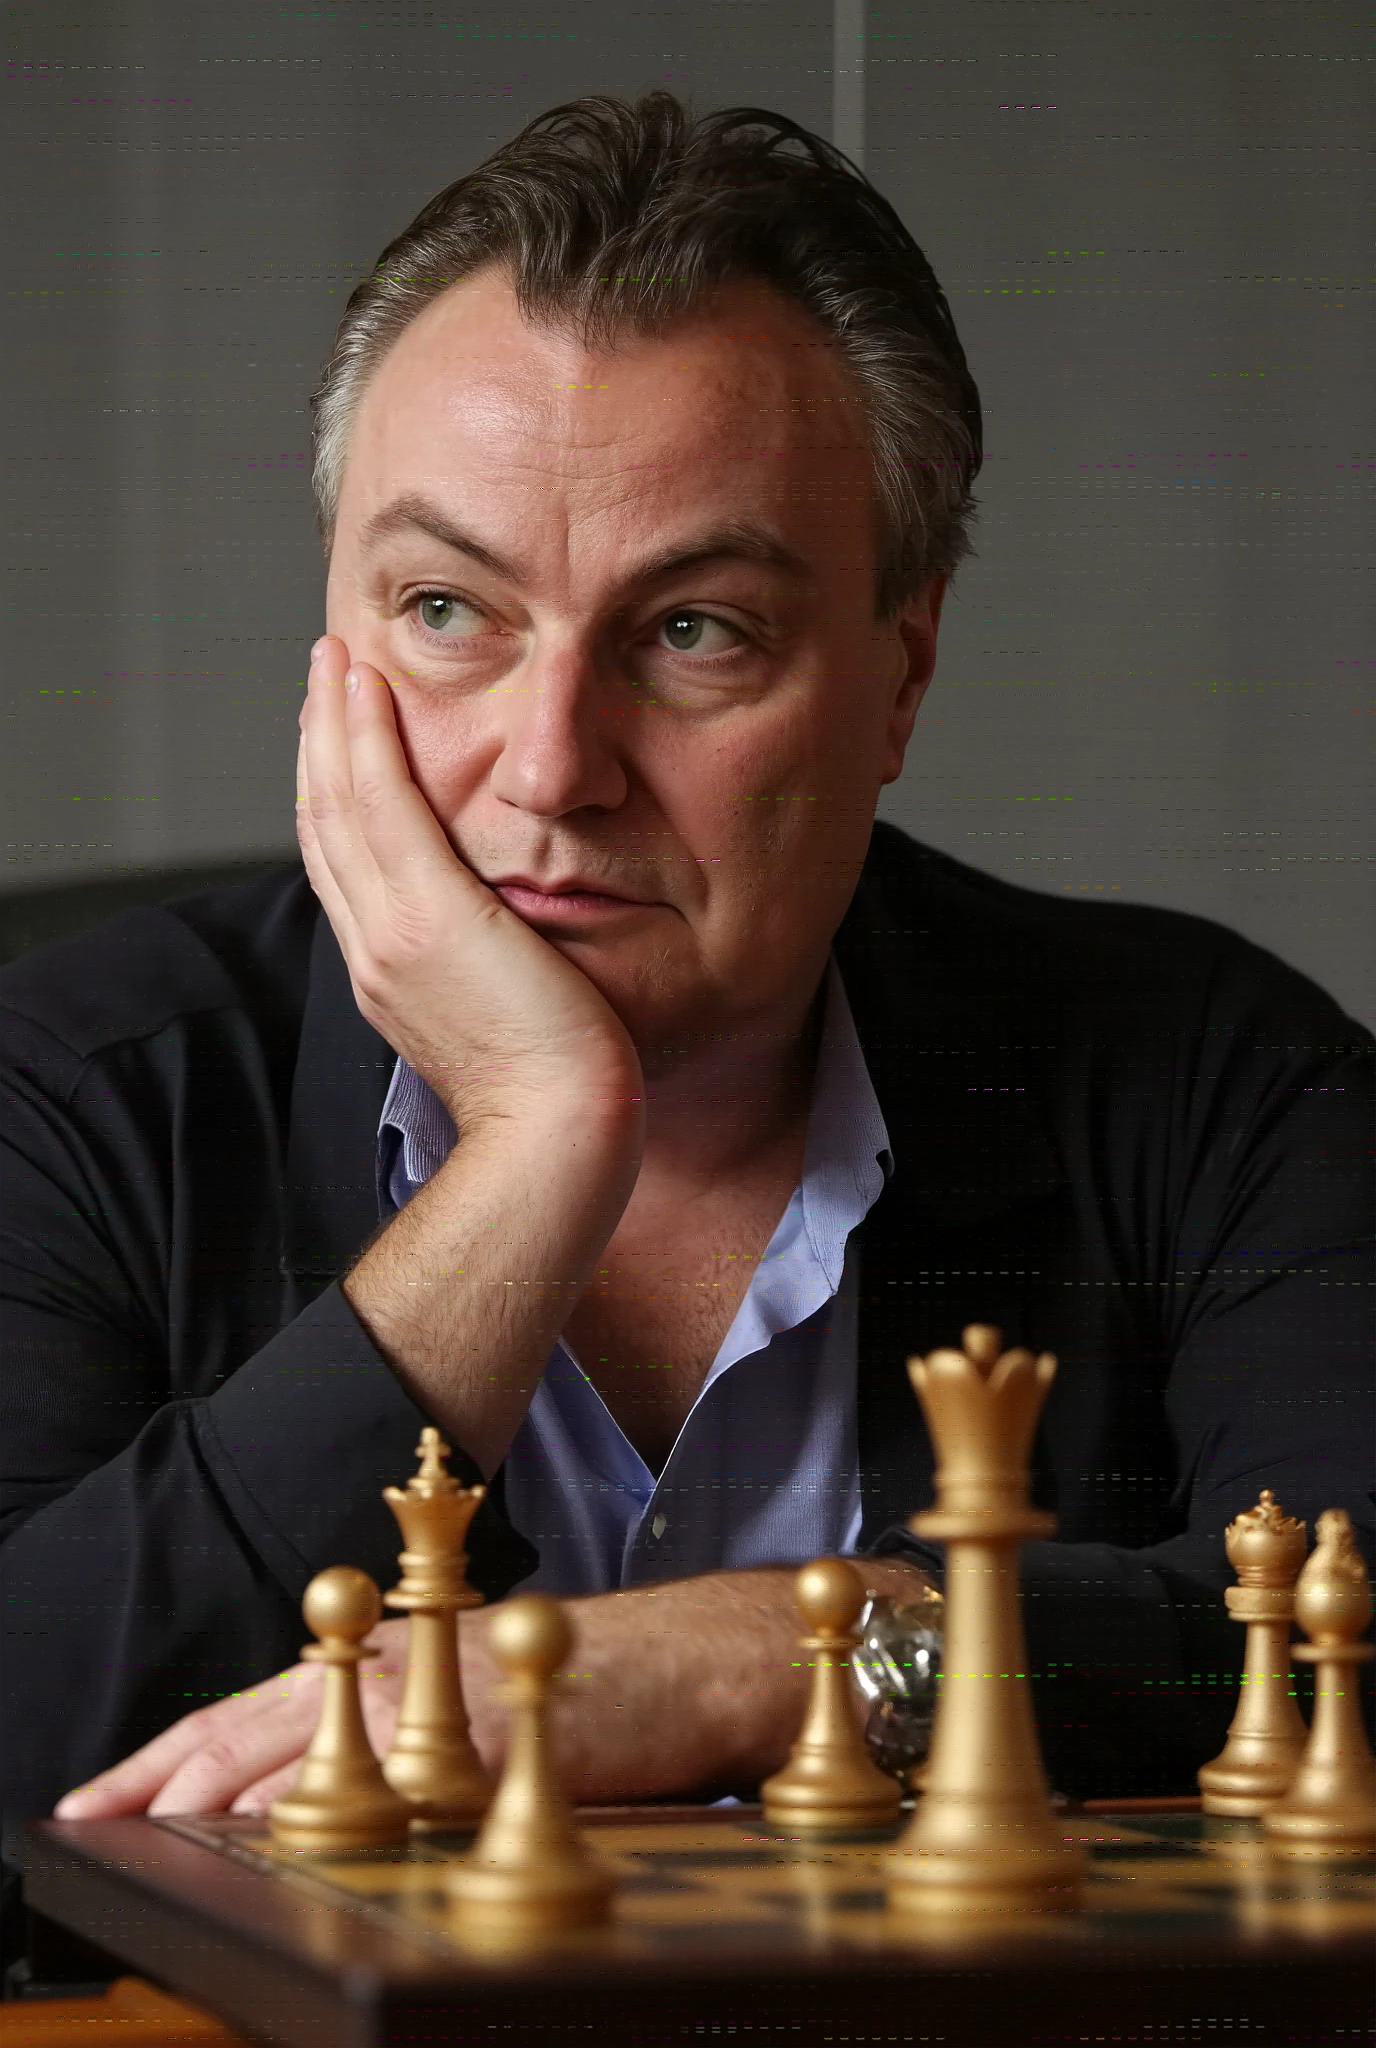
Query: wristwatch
x: 896, y: 1663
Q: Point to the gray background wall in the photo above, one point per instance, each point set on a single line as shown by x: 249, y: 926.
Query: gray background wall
x: 1151, y: 227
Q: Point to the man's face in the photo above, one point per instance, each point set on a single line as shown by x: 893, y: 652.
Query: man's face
x: 714, y: 739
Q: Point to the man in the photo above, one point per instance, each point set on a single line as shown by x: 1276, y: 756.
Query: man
x: 642, y: 1196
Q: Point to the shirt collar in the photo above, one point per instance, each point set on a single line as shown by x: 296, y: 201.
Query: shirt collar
x: 421, y: 1121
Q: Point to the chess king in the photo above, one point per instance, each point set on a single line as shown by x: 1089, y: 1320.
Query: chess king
x: 1266, y: 1737
x: 432, y: 1761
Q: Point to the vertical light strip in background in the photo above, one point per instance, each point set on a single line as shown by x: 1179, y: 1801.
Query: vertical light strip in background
x: 141, y: 461
x: 848, y: 80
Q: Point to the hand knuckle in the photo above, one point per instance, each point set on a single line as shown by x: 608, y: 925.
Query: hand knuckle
x: 202, y: 1723
x: 324, y: 804
x: 396, y: 949
x: 372, y: 967
x: 370, y: 990
x: 220, y: 1757
x: 370, y: 795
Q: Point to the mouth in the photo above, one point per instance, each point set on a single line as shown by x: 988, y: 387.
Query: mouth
x: 564, y: 906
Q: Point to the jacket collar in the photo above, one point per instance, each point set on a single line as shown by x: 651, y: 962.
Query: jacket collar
x: 343, y: 1068
x: 935, y: 987
x: 940, y: 968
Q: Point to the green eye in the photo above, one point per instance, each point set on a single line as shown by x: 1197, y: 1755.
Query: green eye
x: 435, y: 610
x: 440, y: 599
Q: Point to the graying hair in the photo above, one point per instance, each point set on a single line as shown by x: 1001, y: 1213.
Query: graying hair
x: 615, y: 219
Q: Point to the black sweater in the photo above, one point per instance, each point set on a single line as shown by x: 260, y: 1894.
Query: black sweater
x: 1122, y: 1134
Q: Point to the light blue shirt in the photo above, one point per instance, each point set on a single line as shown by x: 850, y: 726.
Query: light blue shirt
x: 765, y: 1469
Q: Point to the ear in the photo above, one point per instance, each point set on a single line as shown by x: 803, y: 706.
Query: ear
x: 916, y: 629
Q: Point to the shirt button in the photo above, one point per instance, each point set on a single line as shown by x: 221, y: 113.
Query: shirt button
x: 659, y: 1525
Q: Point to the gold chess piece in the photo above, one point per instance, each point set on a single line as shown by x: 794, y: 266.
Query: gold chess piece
x: 984, y: 1837
x: 529, y: 1870
x: 830, y: 1782
x: 1267, y: 1734
x: 1330, y: 1807
x: 340, y: 1801
x: 432, y: 1762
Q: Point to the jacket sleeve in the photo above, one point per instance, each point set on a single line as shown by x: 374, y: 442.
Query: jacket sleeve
x: 155, y: 1546
x: 1265, y: 1279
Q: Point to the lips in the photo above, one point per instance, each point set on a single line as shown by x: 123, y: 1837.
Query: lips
x: 571, y: 885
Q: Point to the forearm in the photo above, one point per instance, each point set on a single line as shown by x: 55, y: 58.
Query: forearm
x: 690, y: 1686
x: 467, y: 1289
x: 126, y: 1601
x: 172, y: 1573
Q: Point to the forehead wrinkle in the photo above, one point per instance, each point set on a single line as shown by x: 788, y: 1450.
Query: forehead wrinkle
x: 668, y: 437
x: 649, y: 385
x: 624, y: 431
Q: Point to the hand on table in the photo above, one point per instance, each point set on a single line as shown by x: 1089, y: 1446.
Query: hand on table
x: 241, y: 1752
x: 657, y: 1682
x: 670, y: 1688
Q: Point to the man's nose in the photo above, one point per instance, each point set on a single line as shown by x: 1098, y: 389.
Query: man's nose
x: 564, y: 716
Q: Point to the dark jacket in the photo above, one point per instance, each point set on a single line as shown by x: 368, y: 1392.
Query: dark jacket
x: 1122, y: 1134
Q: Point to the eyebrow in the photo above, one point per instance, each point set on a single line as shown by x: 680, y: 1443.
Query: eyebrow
x: 729, y: 540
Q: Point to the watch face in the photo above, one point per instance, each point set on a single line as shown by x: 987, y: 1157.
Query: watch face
x: 896, y: 1664
x: 898, y: 1655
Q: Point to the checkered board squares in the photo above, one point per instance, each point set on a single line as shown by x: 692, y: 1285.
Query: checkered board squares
x: 720, y: 1879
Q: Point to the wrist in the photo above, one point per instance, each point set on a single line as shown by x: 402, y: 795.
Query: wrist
x: 603, y: 1100
x: 596, y: 1133
x: 896, y: 1578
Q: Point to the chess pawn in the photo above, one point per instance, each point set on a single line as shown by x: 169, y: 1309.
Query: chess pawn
x: 1256, y: 1764
x: 432, y: 1762
x: 984, y: 1837
x: 1330, y: 1807
x: 529, y: 1871
x: 830, y: 1782
x: 340, y: 1802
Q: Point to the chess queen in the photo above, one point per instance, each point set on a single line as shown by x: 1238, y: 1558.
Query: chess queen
x: 984, y: 1838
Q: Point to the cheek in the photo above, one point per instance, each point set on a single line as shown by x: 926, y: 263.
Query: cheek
x: 746, y: 805
x: 438, y: 746
x: 805, y: 805
x: 789, y: 765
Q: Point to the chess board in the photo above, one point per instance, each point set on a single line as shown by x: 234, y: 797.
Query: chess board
x: 721, y: 1928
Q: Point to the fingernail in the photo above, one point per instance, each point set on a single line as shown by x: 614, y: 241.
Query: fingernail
x: 318, y: 649
x: 352, y: 679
